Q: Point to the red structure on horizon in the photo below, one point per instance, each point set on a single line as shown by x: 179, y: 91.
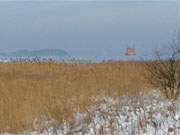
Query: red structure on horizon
x: 130, y: 51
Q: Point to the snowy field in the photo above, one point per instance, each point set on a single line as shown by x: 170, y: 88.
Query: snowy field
x: 143, y: 114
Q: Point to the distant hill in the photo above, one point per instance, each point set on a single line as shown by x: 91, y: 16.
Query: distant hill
x: 36, y: 53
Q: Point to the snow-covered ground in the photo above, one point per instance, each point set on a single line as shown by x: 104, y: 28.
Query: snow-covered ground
x: 143, y: 114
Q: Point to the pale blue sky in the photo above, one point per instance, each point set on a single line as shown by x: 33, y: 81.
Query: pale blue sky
x: 87, y: 29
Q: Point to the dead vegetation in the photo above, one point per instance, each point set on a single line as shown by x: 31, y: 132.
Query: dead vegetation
x: 35, y: 92
x: 165, y: 74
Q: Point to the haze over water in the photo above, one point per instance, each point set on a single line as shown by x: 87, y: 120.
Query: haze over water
x: 89, y: 29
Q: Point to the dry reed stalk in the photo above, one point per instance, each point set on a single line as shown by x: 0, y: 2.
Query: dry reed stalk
x: 56, y: 91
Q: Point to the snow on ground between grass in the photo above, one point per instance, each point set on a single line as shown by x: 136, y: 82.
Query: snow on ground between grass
x: 142, y: 114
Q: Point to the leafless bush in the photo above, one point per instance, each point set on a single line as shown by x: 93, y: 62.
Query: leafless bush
x: 164, y: 73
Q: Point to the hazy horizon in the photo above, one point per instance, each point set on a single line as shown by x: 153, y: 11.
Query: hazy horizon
x: 88, y: 29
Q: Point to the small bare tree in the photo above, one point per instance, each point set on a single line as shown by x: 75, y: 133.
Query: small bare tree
x: 164, y: 73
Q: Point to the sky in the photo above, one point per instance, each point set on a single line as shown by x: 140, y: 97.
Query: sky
x: 88, y: 29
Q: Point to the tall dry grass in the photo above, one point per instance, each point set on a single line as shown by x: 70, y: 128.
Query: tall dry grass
x: 31, y: 93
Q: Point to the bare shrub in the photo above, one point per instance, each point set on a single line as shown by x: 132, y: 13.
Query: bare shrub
x: 164, y: 73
